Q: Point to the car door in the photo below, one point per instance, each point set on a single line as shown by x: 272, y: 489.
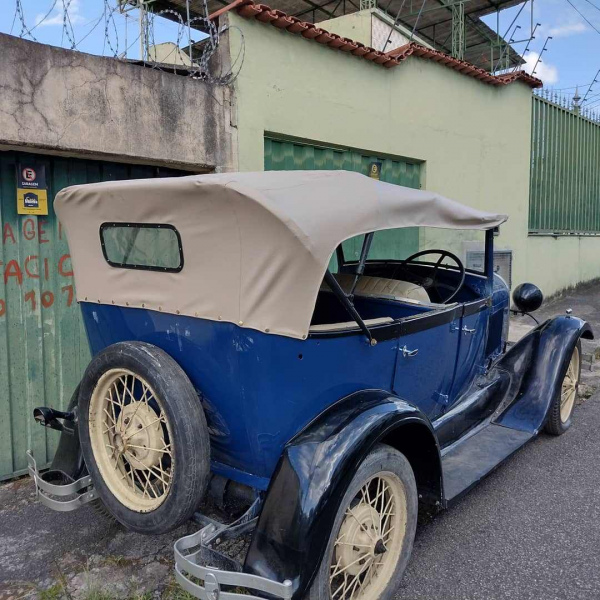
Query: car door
x: 472, y: 340
x: 426, y: 359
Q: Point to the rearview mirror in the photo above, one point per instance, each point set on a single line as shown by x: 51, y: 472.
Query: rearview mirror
x: 527, y: 297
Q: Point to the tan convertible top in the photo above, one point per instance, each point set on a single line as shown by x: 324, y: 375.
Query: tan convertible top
x: 256, y: 245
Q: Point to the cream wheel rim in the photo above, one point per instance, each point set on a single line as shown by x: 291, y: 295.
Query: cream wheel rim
x: 569, y: 387
x: 370, y: 540
x: 131, y: 440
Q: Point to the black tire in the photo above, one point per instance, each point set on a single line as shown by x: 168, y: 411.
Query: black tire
x: 382, y: 459
x: 555, y: 425
x: 189, y: 440
x: 100, y: 509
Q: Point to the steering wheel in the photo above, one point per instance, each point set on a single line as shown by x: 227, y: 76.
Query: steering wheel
x: 430, y: 281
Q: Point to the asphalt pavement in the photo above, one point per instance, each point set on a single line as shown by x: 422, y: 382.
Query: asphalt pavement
x: 531, y: 530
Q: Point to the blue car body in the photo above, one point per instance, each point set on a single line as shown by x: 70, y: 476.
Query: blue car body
x: 292, y: 416
x: 260, y: 390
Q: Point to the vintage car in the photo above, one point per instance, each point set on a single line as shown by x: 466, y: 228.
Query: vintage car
x: 262, y: 336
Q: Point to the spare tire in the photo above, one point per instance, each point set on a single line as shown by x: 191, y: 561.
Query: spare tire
x: 143, y: 436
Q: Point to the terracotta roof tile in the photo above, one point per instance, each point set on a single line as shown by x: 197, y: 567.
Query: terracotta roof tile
x: 413, y: 49
x: 265, y: 14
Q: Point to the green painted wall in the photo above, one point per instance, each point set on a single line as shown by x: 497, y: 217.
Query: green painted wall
x: 43, y: 348
x: 474, y: 139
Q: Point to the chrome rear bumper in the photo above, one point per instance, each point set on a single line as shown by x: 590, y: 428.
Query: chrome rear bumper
x: 64, y: 496
x: 205, y: 582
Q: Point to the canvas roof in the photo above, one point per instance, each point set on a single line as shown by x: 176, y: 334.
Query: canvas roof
x: 256, y: 245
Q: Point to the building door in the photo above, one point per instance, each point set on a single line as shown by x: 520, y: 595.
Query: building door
x: 43, y: 348
x: 289, y: 156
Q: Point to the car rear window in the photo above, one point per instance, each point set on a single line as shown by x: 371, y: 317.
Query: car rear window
x: 153, y: 247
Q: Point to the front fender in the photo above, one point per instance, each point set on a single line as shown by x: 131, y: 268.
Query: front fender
x: 311, y: 478
x: 537, y: 364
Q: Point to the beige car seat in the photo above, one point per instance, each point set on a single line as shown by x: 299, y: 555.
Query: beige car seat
x: 380, y: 287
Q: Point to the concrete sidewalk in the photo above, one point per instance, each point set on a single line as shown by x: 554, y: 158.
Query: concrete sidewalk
x: 530, y: 530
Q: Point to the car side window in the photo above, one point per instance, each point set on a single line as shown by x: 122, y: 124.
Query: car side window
x: 151, y: 247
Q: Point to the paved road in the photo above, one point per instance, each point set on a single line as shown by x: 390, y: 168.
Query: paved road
x: 529, y: 531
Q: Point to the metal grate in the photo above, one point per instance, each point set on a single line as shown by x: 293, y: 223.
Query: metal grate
x: 564, y: 195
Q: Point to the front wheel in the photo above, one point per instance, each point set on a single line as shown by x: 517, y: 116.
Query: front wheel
x: 372, y: 537
x: 561, y: 411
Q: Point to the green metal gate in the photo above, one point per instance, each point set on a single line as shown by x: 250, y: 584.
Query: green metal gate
x: 285, y: 155
x: 43, y: 348
x: 564, y: 192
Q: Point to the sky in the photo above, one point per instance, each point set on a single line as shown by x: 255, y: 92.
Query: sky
x: 572, y: 57
x: 96, y: 26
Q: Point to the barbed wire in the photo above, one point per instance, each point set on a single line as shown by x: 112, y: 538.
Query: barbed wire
x: 93, y: 28
x: 109, y: 17
x: 67, y: 25
x: 197, y: 57
x: 19, y: 13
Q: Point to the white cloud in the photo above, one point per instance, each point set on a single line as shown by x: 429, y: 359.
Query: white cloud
x: 57, y: 16
x: 546, y: 72
x: 567, y: 30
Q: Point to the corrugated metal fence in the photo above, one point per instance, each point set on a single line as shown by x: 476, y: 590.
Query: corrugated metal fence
x: 564, y: 196
x: 285, y: 155
x: 43, y: 349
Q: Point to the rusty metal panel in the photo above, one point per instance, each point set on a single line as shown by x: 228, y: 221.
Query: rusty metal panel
x: 43, y: 348
x: 564, y: 193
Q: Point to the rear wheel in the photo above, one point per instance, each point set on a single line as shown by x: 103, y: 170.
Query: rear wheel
x: 373, y: 533
x: 561, y: 411
x: 144, y: 437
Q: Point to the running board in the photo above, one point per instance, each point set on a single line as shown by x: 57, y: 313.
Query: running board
x: 466, y: 463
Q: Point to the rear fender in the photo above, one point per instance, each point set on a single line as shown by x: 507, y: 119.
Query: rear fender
x: 315, y: 470
x: 68, y: 457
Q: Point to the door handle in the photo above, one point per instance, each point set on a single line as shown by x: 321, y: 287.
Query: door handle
x: 467, y: 330
x: 406, y: 352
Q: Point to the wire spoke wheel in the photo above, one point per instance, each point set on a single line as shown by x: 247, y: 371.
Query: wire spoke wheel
x: 370, y: 540
x: 569, y: 387
x: 130, y: 436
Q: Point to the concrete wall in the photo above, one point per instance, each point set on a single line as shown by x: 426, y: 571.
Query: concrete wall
x: 371, y: 27
x: 474, y: 138
x: 66, y: 102
x: 558, y: 262
x: 356, y: 26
